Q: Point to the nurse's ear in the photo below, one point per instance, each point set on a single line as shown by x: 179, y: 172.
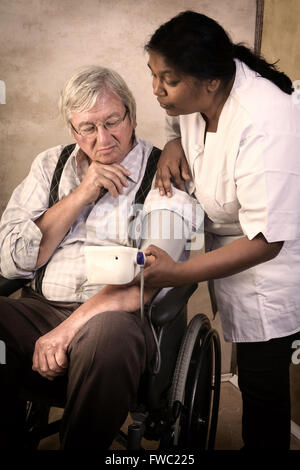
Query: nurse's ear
x: 213, y: 85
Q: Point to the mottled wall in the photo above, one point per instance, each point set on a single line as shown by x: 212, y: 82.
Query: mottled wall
x: 281, y: 35
x: 44, y: 41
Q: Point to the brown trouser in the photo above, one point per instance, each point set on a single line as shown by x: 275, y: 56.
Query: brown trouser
x: 107, y: 358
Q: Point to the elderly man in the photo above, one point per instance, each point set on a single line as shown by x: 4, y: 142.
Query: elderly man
x: 64, y: 335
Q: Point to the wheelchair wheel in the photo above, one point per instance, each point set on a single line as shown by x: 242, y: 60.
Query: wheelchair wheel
x: 195, y: 391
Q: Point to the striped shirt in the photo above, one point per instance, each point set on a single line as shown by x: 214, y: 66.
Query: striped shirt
x: 106, y: 222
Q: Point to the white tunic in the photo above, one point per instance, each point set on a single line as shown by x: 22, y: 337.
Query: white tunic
x: 247, y: 177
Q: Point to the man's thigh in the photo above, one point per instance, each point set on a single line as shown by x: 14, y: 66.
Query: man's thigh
x: 24, y: 320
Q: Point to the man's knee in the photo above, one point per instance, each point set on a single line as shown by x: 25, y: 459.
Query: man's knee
x: 111, y: 336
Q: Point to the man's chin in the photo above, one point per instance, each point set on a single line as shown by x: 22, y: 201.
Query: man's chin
x: 106, y: 159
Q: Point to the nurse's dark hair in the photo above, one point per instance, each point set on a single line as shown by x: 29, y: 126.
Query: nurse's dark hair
x: 197, y: 45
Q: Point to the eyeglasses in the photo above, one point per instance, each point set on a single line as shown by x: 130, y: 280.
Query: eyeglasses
x: 110, y: 125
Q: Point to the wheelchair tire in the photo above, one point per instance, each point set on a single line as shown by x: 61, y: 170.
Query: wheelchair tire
x: 195, y: 391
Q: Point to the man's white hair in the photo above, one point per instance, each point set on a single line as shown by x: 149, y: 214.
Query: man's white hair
x: 81, y: 91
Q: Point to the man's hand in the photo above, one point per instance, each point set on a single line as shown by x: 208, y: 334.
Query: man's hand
x: 99, y: 177
x: 172, y: 166
x: 50, y: 353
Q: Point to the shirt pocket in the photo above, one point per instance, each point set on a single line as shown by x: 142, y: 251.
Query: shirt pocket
x: 225, y: 195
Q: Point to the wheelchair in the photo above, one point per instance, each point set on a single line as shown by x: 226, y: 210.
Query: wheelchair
x: 178, y: 398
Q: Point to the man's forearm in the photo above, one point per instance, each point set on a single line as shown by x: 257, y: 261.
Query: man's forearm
x: 55, y: 223
x: 110, y: 298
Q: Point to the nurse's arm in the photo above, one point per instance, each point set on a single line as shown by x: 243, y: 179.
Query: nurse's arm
x: 172, y: 167
x: 231, y: 259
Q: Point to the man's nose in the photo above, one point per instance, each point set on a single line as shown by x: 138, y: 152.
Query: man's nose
x: 103, y: 135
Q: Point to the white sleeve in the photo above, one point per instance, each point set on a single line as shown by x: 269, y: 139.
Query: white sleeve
x: 166, y: 230
x: 267, y: 176
x: 172, y: 224
x: 180, y: 203
x: 20, y: 237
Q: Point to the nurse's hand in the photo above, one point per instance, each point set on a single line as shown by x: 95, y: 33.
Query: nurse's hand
x: 163, y: 272
x: 172, y: 167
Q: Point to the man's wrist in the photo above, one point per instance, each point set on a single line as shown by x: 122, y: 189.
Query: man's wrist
x: 79, y: 198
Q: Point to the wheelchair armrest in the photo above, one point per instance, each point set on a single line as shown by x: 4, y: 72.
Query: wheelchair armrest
x: 173, y: 302
x: 8, y: 286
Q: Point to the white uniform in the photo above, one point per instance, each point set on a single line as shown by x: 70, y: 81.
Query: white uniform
x: 247, y: 177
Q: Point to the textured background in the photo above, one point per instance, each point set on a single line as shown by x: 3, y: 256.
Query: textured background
x: 42, y: 42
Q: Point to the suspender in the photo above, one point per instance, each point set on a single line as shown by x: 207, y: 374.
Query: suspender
x: 148, y: 176
x: 66, y: 152
x: 53, y: 199
x: 53, y: 196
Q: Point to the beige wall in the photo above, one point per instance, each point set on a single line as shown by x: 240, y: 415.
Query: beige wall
x: 42, y: 42
x: 280, y: 40
x: 281, y: 35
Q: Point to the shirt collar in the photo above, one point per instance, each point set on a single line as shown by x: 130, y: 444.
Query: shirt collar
x: 242, y: 72
x: 133, y: 161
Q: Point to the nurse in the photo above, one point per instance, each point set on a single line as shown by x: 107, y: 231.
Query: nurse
x: 233, y: 117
